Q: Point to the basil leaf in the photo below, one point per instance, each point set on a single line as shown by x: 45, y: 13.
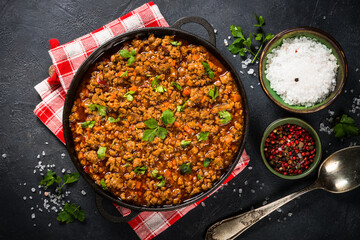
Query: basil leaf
x: 185, y: 168
x: 140, y: 170
x: 184, y: 143
x: 175, y: 84
x: 89, y: 124
x: 125, y: 53
x: 207, y: 162
x: 213, y: 92
x: 208, y: 69
x: 202, y: 136
x: 225, y: 116
x: 101, y: 109
x: 167, y: 117
x: 151, y: 123
x: 103, y: 184
x: 101, y: 152
x: 124, y: 74
x: 175, y: 43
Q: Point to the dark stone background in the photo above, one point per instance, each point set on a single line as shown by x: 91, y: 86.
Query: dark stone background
x: 26, y: 26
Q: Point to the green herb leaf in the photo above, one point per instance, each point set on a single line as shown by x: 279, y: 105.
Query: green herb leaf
x: 103, y: 184
x: 237, y: 32
x: 162, y: 132
x: 151, y: 123
x: 160, y: 89
x: 154, y: 83
x: 150, y: 134
x: 259, y: 20
x: 100, y: 109
x: 345, y: 127
x: 175, y: 43
x: 113, y: 120
x: 199, y: 177
x: 161, y: 183
x: 207, y: 162
x: 149, y: 75
x: 248, y: 41
x: 129, y: 159
x: 167, y: 117
x: 202, y: 136
x: 225, y: 116
x: 185, y: 168
x: 140, y: 170
x: 101, y: 152
x: 127, y: 165
x: 181, y: 107
x: 71, y: 178
x: 129, y: 96
x: 214, y: 92
x: 89, y: 124
x: 175, y: 84
x: 131, y: 60
x: 133, y: 52
x: 70, y: 213
x: 124, y: 74
x: 259, y: 36
x: 49, y: 178
x: 125, y: 53
x: 184, y: 143
x: 154, y: 173
x: 269, y: 37
x: 208, y: 69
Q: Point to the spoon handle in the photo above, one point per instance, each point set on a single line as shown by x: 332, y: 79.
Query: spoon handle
x: 232, y: 227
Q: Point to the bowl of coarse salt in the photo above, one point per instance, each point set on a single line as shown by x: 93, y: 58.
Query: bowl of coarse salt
x: 302, y: 69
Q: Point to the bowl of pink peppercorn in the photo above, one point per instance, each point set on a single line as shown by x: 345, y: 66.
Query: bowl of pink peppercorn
x: 290, y: 148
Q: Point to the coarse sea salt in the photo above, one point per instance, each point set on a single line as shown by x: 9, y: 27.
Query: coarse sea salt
x: 302, y: 71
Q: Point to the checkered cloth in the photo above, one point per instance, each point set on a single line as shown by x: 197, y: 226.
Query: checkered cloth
x: 66, y: 59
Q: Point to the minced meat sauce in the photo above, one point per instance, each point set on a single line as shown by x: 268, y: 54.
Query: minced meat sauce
x: 157, y: 122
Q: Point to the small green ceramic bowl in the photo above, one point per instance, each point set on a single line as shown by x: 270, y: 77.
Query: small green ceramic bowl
x: 309, y: 129
x: 321, y: 37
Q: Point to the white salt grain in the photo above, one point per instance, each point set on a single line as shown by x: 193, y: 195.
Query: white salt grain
x: 203, y: 204
x: 251, y: 71
x: 43, y: 153
x: 4, y: 155
x: 226, y: 42
x: 215, y: 31
x: 33, y: 216
x: 83, y: 192
x: 302, y: 71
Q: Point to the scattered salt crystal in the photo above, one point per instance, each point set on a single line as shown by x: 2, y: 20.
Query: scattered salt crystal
x: 62, y: 155
x: 30, y: 197
x: 68, y: 171
x: 24, y: 197
x: 345, y: 91
x: 357, y: 69
x: 267, y: 198
x: 24, y: 183
x: 284, y: 218
x: 34, y: 225
x: 4, y: 155
x: 251, y: 71
x: 215, y: 31
x: 234, y: 190
x: 32, y: 208
x: 38, y: 156
x: 257, y: 181
x: 240, y: 190
x: 279, y: 210
x: 264, y: 203
x: 278, y: 220
x: 203, y: 204
x: 234, y: 55
x: 243, y: 73
x: 46, y: 143
x: 269, y: 218
x: 290, y: 214
x: 246, y: 182
x: 34, y: 170
x: 324, y: 17
x: 229, y: 37
x: 251, y: 86
x: 351, y: 90
x: 33, y: 216
x: 49, y: 225
x: 250, y: 167
x: 40, y: 209
x: 252, y: 190
x: 43, y: 153
x: 226, y: 42
x: 256, y: 47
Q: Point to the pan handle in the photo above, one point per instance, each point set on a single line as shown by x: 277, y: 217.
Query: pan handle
x: 199, y: 20
x: 114, y: 219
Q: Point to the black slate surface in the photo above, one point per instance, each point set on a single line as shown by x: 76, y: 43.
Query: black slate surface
x: 26, y: 26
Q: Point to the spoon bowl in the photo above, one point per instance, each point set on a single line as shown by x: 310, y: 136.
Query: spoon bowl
x: 340, y: 172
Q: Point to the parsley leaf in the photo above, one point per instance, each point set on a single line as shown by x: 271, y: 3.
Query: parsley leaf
x: 52, y: 178
x: 225, y: 116
x: 176, y: 85
x: 207, y: 162
x: 129, y: 96
x: 156, y: 87
x: 140, y: 170
x: 345, y: 127
x: 128, y: 55
x: 103, y: 184
x: 70, y: 213
x: 214, y: 92
x: 237, y: 32
x: 181, y: 107
x: 70, y: 178
x: 184, y: 143
x: 150, y: 134
x: 208, y: 69
x: 162, y: 182
x: 49, y: 178
x: 101, y: 152
x: 151, y: 123
x: 125, y: 53
x: 113, y: 120
x: 89, y: 124
x: 259, y: 20
x: 162, y: 133
x: 175, y: 43
x: 167, y: 117
x: 124, y: 74
x: 131, y: 60
x: 185, y: 168
x: 100, y: 109
x: 202, y: 136
x: 160, y: 89
x: 199, y: 177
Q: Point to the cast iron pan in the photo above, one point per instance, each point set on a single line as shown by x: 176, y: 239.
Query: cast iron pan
x: 109, y: 46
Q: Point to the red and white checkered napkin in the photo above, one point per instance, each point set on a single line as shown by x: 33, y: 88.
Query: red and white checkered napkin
x: 66, y: 59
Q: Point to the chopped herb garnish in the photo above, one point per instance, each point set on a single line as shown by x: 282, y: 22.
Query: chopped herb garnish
x: 175, y: 43
x: 208, y: 69
x: 124, y: 74
x: 70, y: 213
x: 101, y: 152
x: 184, y: 143
x: 125, y: 53
x: 181, y: 108
x: 167, y: 117
x: 129, y: 96
x: 128, y: 55
x: 89, y: 124
x: 127, y: 165
x: 160, y: 89
x: 154, y: 173
x: 185, y: 168
x: 207, y: 162
x: 175, y: 84
x: 202, y: 136
x: 100, y: 109
x: 151, y: 123
x: 149, y: 75
x: 199, y: 177
x: 156, y: 87
x: 103, y: 184
x: 113, y: 120
x: 140, y: 170
x: 162, y: 182
x: 129, y: 159
x: 345, y: 127
x: 213, y: 92
x: 225, y: 117
x: 52, y: 178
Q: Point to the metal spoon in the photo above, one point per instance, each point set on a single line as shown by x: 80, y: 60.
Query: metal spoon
x: 339, y: 173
